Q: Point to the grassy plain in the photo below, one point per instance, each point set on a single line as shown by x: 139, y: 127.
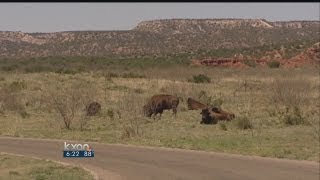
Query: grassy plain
x: 25, y: 168
x: 282, y: 105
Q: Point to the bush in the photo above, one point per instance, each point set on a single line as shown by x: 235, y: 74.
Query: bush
x: 293, y: 116
x: 243, y: 123
x: 288, y: 96
x: 250, y: 63
x: 210, y: 100
x: 69, y: 103
x: 201, y: 78
x: 273, y: 64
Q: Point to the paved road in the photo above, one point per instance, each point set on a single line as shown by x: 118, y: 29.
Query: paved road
x: 139, y: 163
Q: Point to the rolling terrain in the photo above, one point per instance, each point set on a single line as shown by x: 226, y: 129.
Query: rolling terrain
x: 161, y: 38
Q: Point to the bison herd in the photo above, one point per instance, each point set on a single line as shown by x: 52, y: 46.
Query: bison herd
x: 210, y: 115
x: 158, y: 103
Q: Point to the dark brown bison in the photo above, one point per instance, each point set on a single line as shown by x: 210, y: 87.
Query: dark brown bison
x: 210, y: 115
x: 158, y: 103
x: 93, y: 108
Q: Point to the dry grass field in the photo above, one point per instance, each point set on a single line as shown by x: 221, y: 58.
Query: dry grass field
x: 24, y: 168
x: 277, y: 110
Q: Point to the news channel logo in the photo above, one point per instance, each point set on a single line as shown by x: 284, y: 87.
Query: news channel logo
x: 77, y: 150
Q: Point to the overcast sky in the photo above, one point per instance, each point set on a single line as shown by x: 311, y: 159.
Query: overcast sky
x: 53, y: 17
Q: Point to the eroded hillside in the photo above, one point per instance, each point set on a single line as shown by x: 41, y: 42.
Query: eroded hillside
x: 159, y: 37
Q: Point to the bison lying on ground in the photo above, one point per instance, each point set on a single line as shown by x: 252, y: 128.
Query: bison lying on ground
x: 213, y: 115
x: 210, y: 115
x: 93, y: 109
x: 159, y: 103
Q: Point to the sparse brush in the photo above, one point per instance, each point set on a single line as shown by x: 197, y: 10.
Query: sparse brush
x: 210, y: 100
x: 201, y: 78
x: 10, y: 97
x: 288, y: 96
x: 70, y: 102
x: 243, y: 122
x: 292, y: 116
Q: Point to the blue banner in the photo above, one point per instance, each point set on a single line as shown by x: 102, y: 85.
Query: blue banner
x: 67, y: 154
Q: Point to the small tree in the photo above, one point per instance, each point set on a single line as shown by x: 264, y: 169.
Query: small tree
x: 70, y: 103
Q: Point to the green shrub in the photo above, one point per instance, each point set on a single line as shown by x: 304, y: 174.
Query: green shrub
x: 201, y: 78
x: 273, y: 64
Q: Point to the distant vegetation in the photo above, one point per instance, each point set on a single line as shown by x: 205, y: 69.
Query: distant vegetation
x: 201, y: 78
x: 273, y: 64
x: 78, y: 64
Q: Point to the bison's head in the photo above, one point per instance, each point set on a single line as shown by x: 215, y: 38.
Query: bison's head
x: 205, y: 112
x: 147, y: 110
x: 216, y: 109
x: 93, y: 108
x: 208, y: 117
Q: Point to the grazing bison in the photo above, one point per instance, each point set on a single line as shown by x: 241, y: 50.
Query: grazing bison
x: 158, y: 103
x: 210, y: 115
x: 93, y: 109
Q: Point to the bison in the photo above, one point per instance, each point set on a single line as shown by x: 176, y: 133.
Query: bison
x: 93, y: 109
x: 213, y: 115
x: 158, y: 103
x: 210, y: 115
